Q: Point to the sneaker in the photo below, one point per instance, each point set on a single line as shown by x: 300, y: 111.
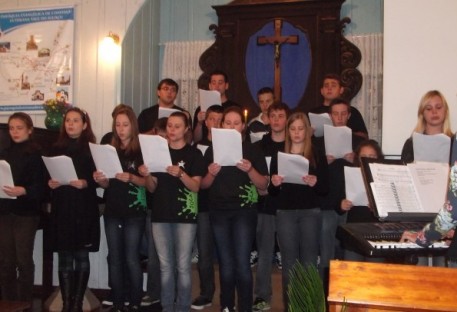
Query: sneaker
x: 226, y: 309
x: 200, y: 303
x: 278, y: 260
x: 254, y: 258
x: 147, y: 301
x: 260, y: 305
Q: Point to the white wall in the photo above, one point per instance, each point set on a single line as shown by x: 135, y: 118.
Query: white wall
x: 97, y: 83
x: 420, y: 54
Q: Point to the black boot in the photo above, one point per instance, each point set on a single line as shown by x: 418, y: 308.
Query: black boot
x: 81, y: 279
x: 66, y: 289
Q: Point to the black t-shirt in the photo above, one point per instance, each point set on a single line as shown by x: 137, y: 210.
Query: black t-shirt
x: 126, y: 199
x: 355, y: 121
x: 268, y: 204
x: 232, y: 188
x: 291, y: 196
x: 172, y: 202
x: 225, y: 105
x: 203, y: 206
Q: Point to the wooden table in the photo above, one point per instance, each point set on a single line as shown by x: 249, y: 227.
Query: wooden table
x: 363, y: 286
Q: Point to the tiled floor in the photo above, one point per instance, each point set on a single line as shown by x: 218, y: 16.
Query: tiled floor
x: 276, y: 303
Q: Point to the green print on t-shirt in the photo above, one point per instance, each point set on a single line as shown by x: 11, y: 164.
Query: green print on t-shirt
x: 250, y: 196
x: 139, y: 194
x: 190, y: 207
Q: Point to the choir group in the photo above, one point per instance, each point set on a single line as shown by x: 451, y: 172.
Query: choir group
x: 228, y: 210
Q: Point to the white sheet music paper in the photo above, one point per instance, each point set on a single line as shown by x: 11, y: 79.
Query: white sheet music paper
x: 400, y: 188
x: 430, y: 178
x: 6, y: 178
x: 318, y: 121
x: 166, y: 112
x: 61, y: 169
x: 355, y: 188
x: 434, y: 148
x: 256, y: 136
x: 227, y: 146
x: 338, y: 141
x: 156, y: 155
x: 106, y: 159
x: 292, y: 167
x: 208, y: 98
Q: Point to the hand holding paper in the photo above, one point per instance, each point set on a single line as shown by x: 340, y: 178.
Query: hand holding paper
x: 433, y: 148
x: 6, y: 179
x: 227, y: 147
x: 61, y: 169
x: 208, y: 98
x: 156, y: 155
x: 292, y: 168
x: 106, y: 159
x: 338, y: 141
x: 355, y: 188
x: 318, y: 121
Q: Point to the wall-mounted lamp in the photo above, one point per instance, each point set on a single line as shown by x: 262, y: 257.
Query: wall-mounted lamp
x: 112, y: 38
x: 109, y: 48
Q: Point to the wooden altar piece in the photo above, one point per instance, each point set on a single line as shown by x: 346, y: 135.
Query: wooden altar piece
x: 391, y: 287
x: 319, y: 19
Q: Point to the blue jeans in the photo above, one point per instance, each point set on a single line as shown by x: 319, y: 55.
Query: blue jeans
x: 265, y: 238
x: 123, y: 236
x: 328, y: 241
x: 234, y: 234
x: 174, y: 243
x: 298, y: 236
x: 205, y: 245
x: 153, y: 283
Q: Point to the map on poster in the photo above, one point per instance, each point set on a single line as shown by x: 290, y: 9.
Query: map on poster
x: 36, y: 54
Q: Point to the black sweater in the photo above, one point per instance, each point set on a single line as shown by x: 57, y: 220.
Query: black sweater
x: 28, y: 171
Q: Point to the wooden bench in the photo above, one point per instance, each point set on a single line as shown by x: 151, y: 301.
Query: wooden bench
x: 363, y: 286
x: 14, y: 306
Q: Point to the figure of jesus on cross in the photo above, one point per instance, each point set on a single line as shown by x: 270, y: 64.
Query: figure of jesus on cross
x: 277, y: 40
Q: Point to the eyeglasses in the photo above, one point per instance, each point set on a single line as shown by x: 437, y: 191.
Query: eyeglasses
x: 166, y: 89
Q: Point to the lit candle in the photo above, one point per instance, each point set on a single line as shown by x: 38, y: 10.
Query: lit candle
x: 245, y: 113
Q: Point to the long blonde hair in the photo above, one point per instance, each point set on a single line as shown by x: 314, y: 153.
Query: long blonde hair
x: 307, y: 149
x: 421, y: 124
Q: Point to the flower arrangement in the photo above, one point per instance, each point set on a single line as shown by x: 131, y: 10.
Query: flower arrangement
x: 52, y: 106
x: 55, y: 110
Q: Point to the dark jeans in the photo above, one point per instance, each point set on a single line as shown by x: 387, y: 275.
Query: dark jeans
x: 123, y: 236
x: 205, y: 245
x: 234, y: 234
x: 265, y: 237
x: 17, y: 238
x: 298, y: 236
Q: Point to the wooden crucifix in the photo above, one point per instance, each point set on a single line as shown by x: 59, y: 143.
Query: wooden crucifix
x: 277, y: 40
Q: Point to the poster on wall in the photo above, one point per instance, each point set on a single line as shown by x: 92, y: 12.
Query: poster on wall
x: 36, y: 54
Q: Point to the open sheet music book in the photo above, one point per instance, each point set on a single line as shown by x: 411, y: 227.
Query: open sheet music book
x: 405, y: 192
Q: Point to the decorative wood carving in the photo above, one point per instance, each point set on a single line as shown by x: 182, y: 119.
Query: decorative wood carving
x: 318, y: 19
